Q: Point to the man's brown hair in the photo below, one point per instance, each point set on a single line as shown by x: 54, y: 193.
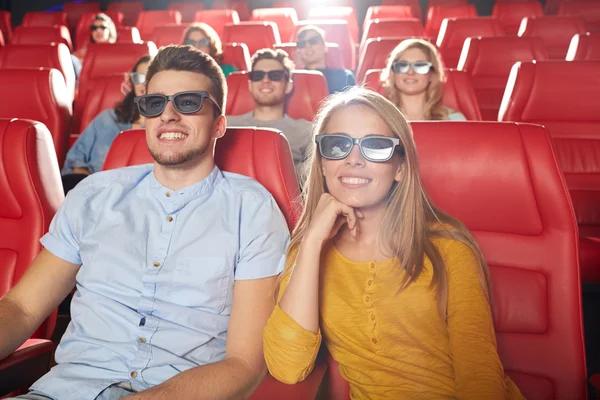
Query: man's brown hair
x: 278, y: 55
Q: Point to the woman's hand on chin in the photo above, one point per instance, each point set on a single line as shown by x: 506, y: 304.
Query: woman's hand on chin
x: 329, y: 216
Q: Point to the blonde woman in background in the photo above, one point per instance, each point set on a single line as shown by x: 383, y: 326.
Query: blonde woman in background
x: 204, y: 38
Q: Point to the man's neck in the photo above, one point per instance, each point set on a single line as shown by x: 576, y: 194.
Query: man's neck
x: 317, y: 65
x: 268, y: 113
x: 182, y: 176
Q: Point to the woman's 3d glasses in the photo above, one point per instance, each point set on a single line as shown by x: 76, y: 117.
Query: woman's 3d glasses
x: 420, y: 67
x: 137, y: 78
x: 197, y: 43
x: 337, y: 146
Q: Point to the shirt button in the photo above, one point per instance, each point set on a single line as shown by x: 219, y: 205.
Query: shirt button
x: 169, y: 218
x: 374, y: 341
x: 156, y: 264
x: 142, y: 340
x: 370, y: 282
x: 168, y: 194
x: 372, y: 265
x: 372, y: 317
x: 367, y: 299
x: 133, y: 374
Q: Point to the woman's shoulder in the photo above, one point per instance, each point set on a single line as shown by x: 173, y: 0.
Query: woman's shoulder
x: 454, y: 115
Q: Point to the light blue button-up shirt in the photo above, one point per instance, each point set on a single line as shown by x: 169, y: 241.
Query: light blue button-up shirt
x: 155, y: 286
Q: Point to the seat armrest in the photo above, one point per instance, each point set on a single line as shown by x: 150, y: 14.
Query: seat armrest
x: 25, y: 365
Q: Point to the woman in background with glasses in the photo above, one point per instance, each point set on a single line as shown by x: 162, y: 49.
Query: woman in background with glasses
x: 398, y: 289
x: 413, y: 80
x: 204, y: 38
x: 102, y: 30
x: 89, y: 151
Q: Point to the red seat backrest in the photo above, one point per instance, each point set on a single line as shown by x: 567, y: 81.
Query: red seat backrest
x: 392, y: 27
x: 53, y: 55
x: 44, y: 18
x: 556, y: 32
x: 414, y: 5
x: 454, y: 31
x: 237, y: 54
x: 375, y: 53
x: 128, y: 34
x: 310, y: 88
x: 344, y: 13
x: 260, y: 153
x: 510, y: 15
x: 41, y: 95
x: 285, y: 18
x: 402, y: 12
x: 130, y: 10
x: 75, y: 10
x: 434, y: 3
x: 187, y: 9
x: 164, y: 35
x: 5, y: 25
x: 458, y: 92
x: 589, y: 11
x: 488, y: 61
x: 337, y: 31
x: 333, y: 57
x: 32, y: 192
x: 256, y: 35
x: 42, y: 35
x: 436, y: 14
x: 584, y: 47
x: 82, y: 32
x: 105, y: 93
x: 241, y: 6
x: 217, y: 19
x: 148, y: 20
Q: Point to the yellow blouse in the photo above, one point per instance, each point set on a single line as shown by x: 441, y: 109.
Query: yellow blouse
x: 396, y: 345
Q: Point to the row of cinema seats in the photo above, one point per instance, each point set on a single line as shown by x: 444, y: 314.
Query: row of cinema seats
x: 520, y: 214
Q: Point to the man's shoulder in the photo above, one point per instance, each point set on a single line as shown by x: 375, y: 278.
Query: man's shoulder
x: 99, y: 181
x: 245, y: 187
x: 237, y: 120
x: 300, y: 123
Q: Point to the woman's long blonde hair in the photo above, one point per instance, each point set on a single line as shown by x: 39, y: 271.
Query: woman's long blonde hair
x: 434, y: 109
x: 411, y: 220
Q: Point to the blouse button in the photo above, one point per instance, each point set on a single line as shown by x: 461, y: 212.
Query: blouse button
x: 374, y: 341
x: 368, y: 299
x: 372, y: 265
x: 372, y: 317
x: 370, y: 282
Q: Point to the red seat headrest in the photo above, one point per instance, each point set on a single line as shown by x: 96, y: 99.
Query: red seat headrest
x: 256, y: 35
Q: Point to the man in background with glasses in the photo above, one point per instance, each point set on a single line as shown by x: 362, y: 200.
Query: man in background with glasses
x: 270, y: 81
x: 175, y: 262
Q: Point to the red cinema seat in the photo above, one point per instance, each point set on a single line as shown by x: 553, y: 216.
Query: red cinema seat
x: 82, y: 32
x: 342, y: 13
x: 454, y: 31
x: 42, y: 35
x: 337, y: 31
x: 563, y: 96
x: 32, y: 193
x: 43, y: 18
x: 436, y: 14
x: 148, y: 20
x: 128, y: 34
x: 375, y: 53
x: 584, y: 47
x: 237, y: 54
x: 241, y: 6
x: 40, y: 95
x: 392, y: 27
x: 435, y: 3
x: 488, y: 61
x: 333, y: 57
x: 458, y: 92
x: 285, y: 19
x: 256, y: 35
x: 106, y: 94
x: 75, y: 10
x: 5, y: 25
x: 414, y: 5
x: 401, y: 12
x: 53, y: 55
x: 556, y: 32
x: 589, y: 11
x: 165, y: 35
x: 217, y: 19
x: 187, y: 9
x: 510, y: 15
x: 129, y: 9
x: 310, y: 88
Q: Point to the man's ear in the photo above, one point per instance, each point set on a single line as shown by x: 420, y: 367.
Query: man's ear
x: 219, y: 127
x: 289, y: 87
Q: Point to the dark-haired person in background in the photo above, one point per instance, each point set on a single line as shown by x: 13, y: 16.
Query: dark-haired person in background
x: 89, y: 151
x: 204, y: 38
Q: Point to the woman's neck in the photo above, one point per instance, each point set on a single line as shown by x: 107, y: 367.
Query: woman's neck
x: 368, y: 230
x: 413, y: 106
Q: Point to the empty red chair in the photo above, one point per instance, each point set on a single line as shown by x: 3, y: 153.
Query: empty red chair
x: 5, y: 25
x: 310, y: 88
x: 42, y: 18
x: 458, y: 92
x: 337, y: 31
x: 374, y: 54
x: 74, y: 11
x: 82, y: 32
x: 241, y: 6
x: 343, y: 13
x: 392, y: 27
x: 42, y: 35
x: 148, y: 20
x: 488, y: 61
x: 285, y: 18
x: 128, y: 34
x: 130, y: 10
x: 588, y: 10
x: 556, y: 32
x: 187, y: 9
x: 454, y: 31
x: 584, y: 47
x: 237, y: 54
x: 41, y: 95
x: 165, y: 35
x: 563, y: 96
x: 32, y: 193
x: 256, y: 35
x: 414, y: 5
x: 386, y: 12
x: 333, y: 57
x: 436, y: 14
x: 435, y: 3
x: 217, y: 19
x: 53, y: 55
x: 510, y: 15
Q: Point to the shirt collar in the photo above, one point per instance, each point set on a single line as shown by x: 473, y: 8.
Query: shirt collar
x: 186, y: 194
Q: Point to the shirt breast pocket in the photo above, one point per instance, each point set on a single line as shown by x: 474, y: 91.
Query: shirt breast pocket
x: 202, y: 282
